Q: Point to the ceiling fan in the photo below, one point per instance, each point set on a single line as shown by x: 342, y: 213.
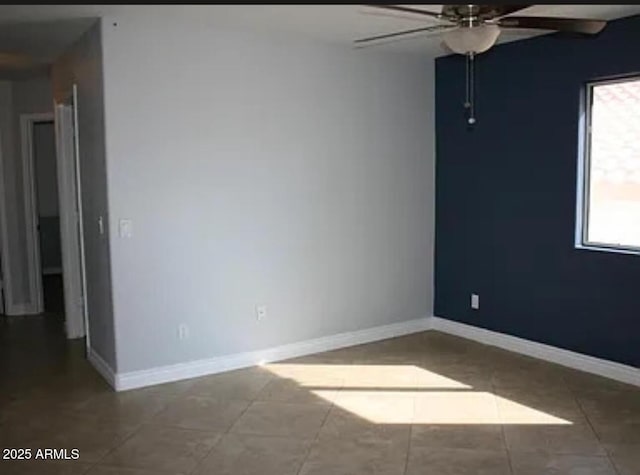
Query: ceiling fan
x: 473, y: 29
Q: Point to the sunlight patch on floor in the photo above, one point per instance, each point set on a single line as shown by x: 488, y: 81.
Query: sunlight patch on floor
x: 408, y: 394
x: 363, y: 376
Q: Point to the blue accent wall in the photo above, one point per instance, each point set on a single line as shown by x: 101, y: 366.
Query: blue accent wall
x: 506, y: 197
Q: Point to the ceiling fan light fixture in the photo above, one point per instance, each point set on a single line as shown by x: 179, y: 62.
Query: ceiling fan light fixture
x: 475, y: 39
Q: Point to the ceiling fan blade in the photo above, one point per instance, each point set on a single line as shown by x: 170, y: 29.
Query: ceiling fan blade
x: 569, y: 25
x: 427, y: 29
x: 416, y: 11
x: 391, y: 14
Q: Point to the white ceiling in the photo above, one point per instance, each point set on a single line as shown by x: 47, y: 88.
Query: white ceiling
x: 26, y: 48
x: 35, y: 35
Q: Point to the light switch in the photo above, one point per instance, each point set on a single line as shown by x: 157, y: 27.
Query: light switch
x: 126, y: 228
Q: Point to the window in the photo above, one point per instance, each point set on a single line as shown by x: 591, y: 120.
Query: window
x: 611, y: 167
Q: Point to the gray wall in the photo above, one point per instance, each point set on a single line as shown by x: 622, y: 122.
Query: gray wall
x: 262, y: 170
x: 18, y: 97
x: 31, y: 96
x: 82, y: 64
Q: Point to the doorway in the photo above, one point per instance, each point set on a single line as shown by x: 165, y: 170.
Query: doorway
x: 53, y: 216
x: 48, y: 216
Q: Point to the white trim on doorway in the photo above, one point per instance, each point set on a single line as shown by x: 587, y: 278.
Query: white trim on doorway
x: 71, y: 228
x: 5, y: 255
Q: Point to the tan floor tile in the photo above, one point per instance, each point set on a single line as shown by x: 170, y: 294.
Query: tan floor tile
x: 424, y: 460
x: 42, y: 467
x: 626, y: 458
x: 322, y: 373
x: 163, y: 449
x: 284, y: 390
x: 618, y: 433
x: 255, y: 455
x: 282, y: 419
x: 456, y: 436
x: 106, y: 470
x: 201, y: 413
x: 243, y: 384
x: 341, y: 424
x: 69, y: 430
x: 408, y: 377
x: 93, y: 442
x: 135, y: 406
x: 42, y: 399
x: 461, y: 376
x: 378, y: 406
x: 534, y: 407
x: 456, y: 407
x: 550, y: 464
x: 577, y: 439
x: 23, y: 433
x: 356, y: 457
x: 586, y: 385
x: 527, y: 377
x: 611, y: 406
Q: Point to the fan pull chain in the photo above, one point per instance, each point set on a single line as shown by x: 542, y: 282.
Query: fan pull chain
x: 467, y: 102
x: 470, y: 76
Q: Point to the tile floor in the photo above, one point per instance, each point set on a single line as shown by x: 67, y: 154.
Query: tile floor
x: 422, y: 404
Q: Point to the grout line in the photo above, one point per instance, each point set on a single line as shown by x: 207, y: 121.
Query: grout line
x: 222, y: 434
x: 120, y: 444
x: 494, y: 391
x: 595, y: 433
x: 509, y: 460
x: 244, y: 411
x: 406, y: 460
x: 317, y: 437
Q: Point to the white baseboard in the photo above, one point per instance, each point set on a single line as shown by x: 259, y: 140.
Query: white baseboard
x: 103, y: 368
x: 22, y: 309
x: 193, y: 369
x: 165, y: 374
x: 589, y: 364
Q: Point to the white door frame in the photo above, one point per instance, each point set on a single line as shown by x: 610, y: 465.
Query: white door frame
x: 9, y: 306
x: 34, y: 270
x: 71, y: 224
x: 78, y: 197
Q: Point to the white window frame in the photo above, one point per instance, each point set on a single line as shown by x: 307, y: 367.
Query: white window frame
x: 584, y: 179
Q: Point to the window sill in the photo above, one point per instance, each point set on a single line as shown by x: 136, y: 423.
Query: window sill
x: 614, y: 250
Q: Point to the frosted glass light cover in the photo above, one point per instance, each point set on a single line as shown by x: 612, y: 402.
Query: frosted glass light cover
x: 477, y: 39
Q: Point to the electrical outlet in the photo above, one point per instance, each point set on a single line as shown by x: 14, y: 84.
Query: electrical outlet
x: 475, y: 301
x: 261, y: 312
x: 183, y: 332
